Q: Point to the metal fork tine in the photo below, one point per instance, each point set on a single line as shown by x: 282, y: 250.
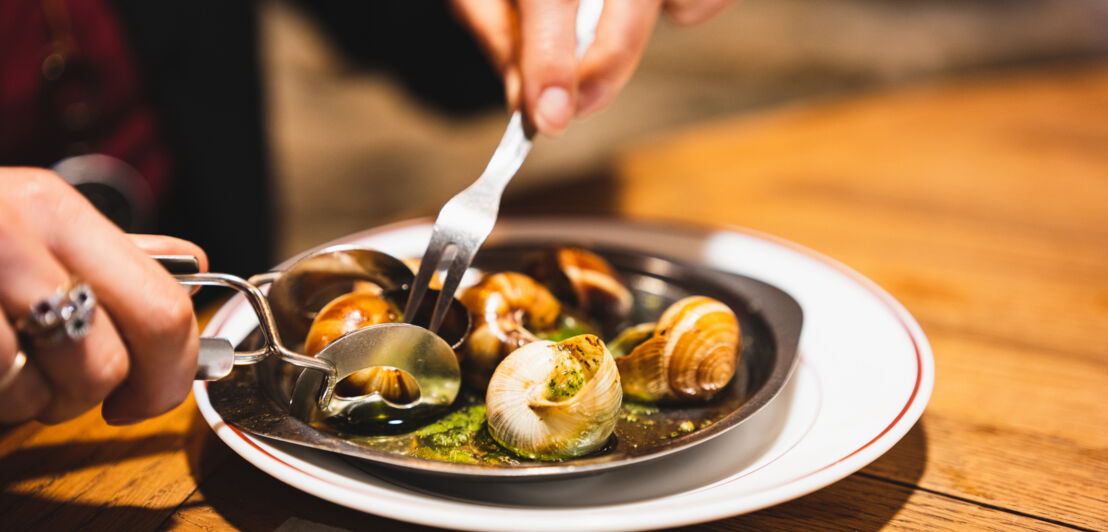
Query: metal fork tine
x: 427, y: 267
x: 457, y: 269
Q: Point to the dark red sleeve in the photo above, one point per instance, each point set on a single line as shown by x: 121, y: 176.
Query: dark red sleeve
x: 69, y: 85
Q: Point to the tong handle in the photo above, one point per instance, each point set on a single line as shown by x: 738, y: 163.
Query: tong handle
x: 178, y: 264
x: 217, y: 356
x: 217, y: 359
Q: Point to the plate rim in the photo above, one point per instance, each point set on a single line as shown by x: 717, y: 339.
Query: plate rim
x: 247, y: 446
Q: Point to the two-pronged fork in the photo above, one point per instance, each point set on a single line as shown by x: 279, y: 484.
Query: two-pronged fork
x: 466, y: 220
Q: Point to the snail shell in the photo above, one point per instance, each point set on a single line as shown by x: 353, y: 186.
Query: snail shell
x: 552, y: 401
x: 690, y: 356
x: 347, y: 313
x: 506, y: 307
x: 393, y: 384
x: 298, y: 294
x: 586, y: 279
x: 350, y: 312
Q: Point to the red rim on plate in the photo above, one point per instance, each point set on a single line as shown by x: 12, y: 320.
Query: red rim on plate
x: 892, y: 306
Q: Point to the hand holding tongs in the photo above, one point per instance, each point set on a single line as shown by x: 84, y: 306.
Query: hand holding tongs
x: 426, y: 357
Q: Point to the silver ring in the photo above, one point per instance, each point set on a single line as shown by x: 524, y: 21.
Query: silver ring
x: 64, y: 316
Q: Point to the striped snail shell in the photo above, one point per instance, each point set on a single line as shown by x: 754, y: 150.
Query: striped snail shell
x: 690, y: 356
x: 348, y: 313
x: 506, y: 309
x: 584, y: 279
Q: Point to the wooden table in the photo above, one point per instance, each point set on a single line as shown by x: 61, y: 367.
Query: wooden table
x: 981, y: 204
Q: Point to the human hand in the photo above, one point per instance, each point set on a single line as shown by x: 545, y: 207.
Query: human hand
x: 531, y: 43
x: 140, y: 354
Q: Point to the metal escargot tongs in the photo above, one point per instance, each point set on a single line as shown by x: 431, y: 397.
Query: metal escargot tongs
x: 296, y: 295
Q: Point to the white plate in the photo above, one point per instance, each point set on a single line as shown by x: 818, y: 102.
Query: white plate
x: 864, y: 378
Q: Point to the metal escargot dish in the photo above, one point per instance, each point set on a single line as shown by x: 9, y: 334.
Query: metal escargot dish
x: 571, y: 360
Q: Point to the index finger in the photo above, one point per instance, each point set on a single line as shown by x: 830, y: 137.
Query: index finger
x: 152, y: 312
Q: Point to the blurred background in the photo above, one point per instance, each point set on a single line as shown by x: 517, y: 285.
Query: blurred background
x: 355, y: 141
x: 260, y: 129
x: 953, y: 151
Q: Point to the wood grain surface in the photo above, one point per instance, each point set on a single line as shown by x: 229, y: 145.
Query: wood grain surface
x: 983, y: 207
x: 980, y: 203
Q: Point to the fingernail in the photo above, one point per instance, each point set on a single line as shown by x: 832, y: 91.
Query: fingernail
x: 553, y: 113
x: 591, y: 98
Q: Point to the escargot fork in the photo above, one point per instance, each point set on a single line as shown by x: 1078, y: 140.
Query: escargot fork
x: 466, y: 220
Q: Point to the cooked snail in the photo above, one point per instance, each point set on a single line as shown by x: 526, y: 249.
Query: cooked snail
x: 690, y: 356
x: 507, y: 309
x: 552, y: 401
x: 346, y: 313
x: 298, y: 294
x: 350, y: 312
x: 393, y: 384
x: 586, y: 280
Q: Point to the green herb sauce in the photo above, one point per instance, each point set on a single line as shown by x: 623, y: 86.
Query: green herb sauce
x: 461, y: 437
x: 566, y: 327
